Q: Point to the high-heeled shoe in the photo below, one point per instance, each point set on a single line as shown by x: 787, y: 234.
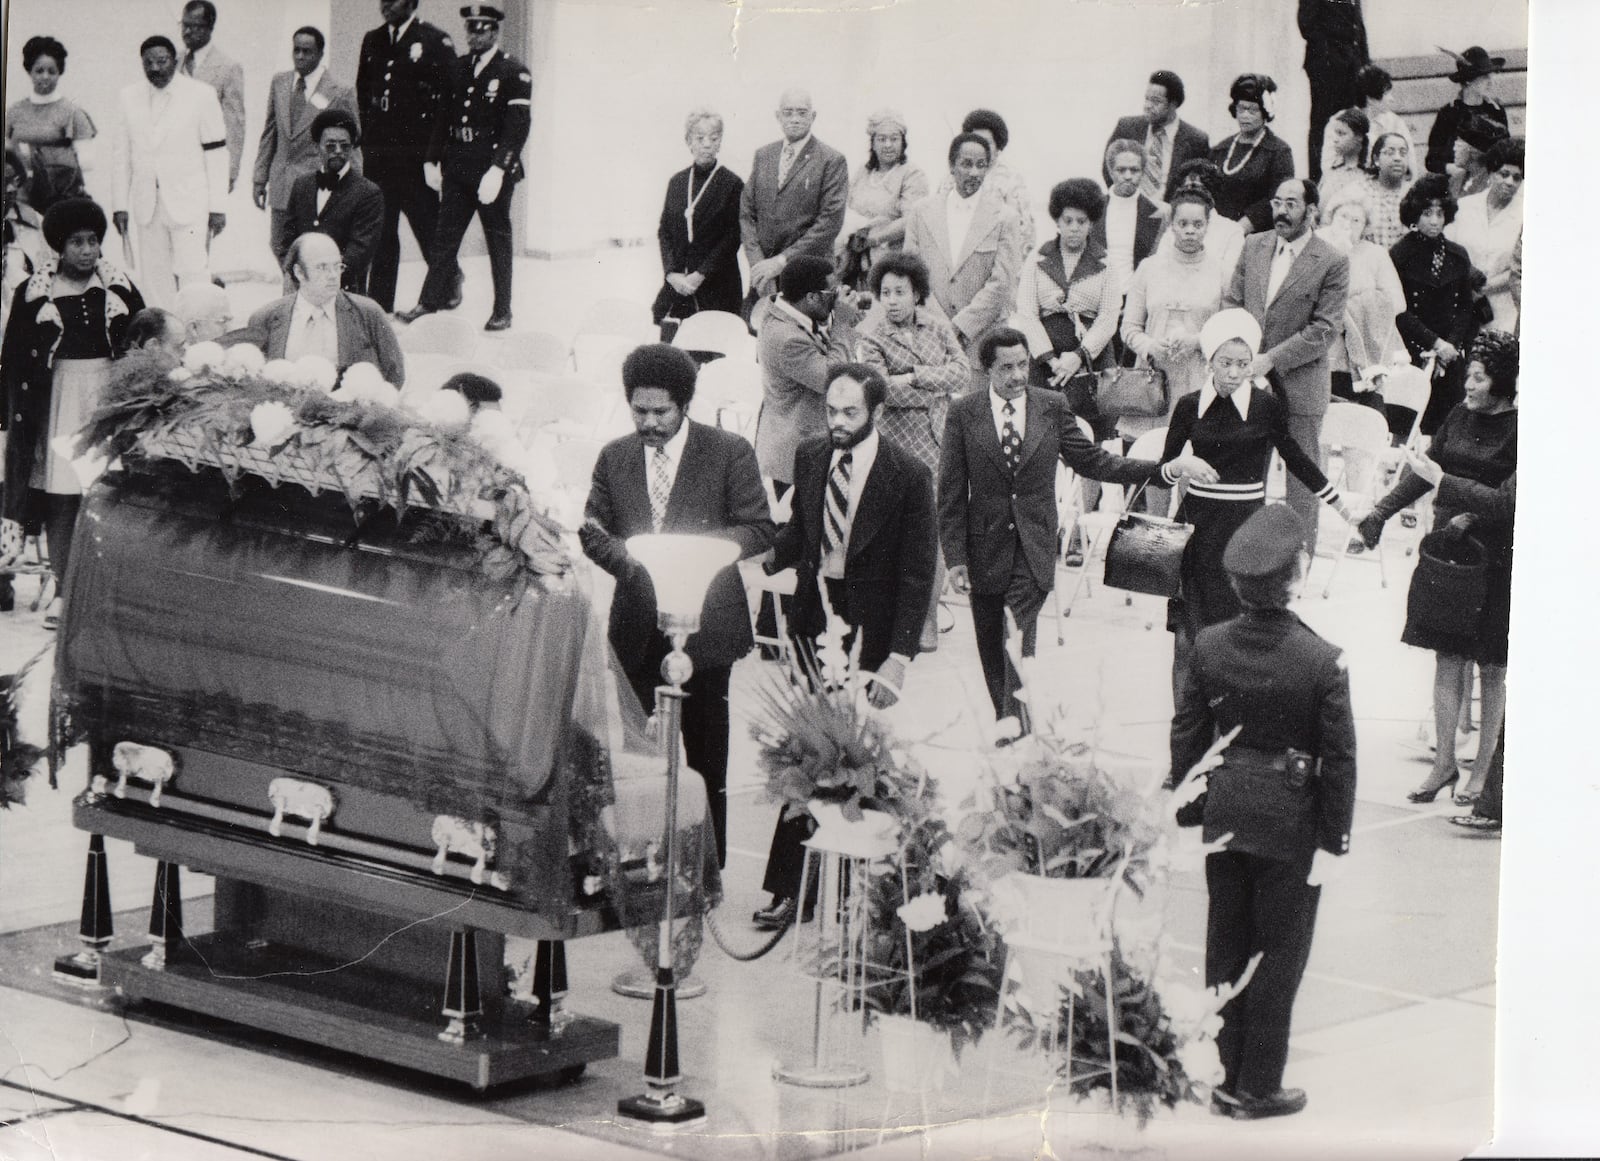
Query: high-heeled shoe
x: 1424, y: 794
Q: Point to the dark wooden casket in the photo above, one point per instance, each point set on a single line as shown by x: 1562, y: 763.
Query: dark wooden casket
x: 389, y: 761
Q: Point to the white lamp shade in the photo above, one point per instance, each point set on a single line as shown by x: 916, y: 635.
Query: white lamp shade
x: 681, y: 568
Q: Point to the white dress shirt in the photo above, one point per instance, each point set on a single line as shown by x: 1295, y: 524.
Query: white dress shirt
x: 1122, y: 219
x: 1019, y: 418
x: 793, y: 150
x: 312, y: 331
x: 1282, y: 259
x: 674, y: 449
x: 959, y: 212
x: 324, y: 194
x: 862, y: 457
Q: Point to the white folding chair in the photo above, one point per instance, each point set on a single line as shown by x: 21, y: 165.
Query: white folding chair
x: 1096, y: 526
x: 731, y: 388
x: 1358, y: 436
x: 599, y: 357
x: 618, y: 316
x: 780, y: 584
x: 572, y: 408
x: 528, y: 351
x: 718, y: 332
x: 1069, y: 500
x: 439, y: 334
x: 574, y: 462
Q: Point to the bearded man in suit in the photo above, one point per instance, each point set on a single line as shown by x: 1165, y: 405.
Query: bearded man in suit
x: 288, y: 146
x: 337, y: 201
x: 1295, y: 285
x: 675, y: 475
x: 794, y: 201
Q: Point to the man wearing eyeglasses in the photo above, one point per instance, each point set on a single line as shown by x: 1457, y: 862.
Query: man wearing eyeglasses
x: 1295, y: 285
x: 320, y: 319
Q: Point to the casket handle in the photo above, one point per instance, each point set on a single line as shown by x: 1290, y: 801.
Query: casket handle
x: 295, y: 798
x: 143, y: 764
x: 475, y: 840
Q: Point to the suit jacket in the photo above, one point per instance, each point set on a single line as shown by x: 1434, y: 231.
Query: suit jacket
x: 352, y: 217
x: 365, y: 335
x: 987, y: 513
x: 717, y: 493
x: 794, y: 373
x: 977, y: 287
x: 174, y: 160
x: 226, y: 76
x: 1438, y: 306
x: 400, y: 87
x: 286, y: 150
x: 805, y: 214
x: 1188, y: 143
x: 890, y: 558
x: 1302, y: 321
x: 1147, y: 228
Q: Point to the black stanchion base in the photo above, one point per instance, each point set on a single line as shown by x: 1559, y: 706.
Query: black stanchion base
x: 81, y: 970
x: 663, y: 1112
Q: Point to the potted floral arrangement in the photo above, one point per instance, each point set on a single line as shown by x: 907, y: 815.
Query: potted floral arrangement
x: 19, y: 757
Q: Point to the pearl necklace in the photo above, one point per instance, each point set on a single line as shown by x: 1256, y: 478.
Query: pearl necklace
x: 1245, y: 160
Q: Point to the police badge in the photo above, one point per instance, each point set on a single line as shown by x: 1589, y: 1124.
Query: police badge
x: 494, y: 87
x: 416, y: 53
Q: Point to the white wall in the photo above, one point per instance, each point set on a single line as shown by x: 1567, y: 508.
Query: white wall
x: 1420, y: 27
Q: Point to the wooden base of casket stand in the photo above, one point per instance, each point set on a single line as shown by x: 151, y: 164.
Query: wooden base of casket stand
x: 356, y: 958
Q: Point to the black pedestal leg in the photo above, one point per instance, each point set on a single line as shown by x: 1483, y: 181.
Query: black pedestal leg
x: 94, y: 926
x: 166, y: 917
x: 463, y: 997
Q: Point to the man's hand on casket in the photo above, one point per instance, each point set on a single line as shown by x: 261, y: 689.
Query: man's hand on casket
x: 606, y: 550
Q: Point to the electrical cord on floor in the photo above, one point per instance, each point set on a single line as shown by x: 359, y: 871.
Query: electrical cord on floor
x: 127, y: 1035
x: 747, y: 956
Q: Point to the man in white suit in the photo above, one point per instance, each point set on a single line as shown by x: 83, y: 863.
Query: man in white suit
x: 287, y: 151
x: 207, y: 63
x: 169, y: 171
x: 973, y: 245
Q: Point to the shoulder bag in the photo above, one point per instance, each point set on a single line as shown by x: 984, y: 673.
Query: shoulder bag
x: 1137, y: 389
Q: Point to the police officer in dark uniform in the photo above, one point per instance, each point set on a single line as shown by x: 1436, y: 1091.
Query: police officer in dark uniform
x: 478, y: 144
x: 401, y: 82
x: 1285, y: 791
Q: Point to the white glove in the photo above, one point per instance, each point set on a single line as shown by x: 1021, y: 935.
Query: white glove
x: 433, y: 176
x: 1325, y: 868
x: 489, y: 187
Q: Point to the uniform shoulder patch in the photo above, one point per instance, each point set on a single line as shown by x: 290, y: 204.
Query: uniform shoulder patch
x: 525, y: 78
x: 446, y: 41
x: 1341, y: 662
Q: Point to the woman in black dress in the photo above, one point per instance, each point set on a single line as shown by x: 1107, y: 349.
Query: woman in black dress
x: 1254, y: 161
x: 67, y: 323
x: 1476, y: 441
x: 699, y: 231
x: 1235, y: 427
x: 1437, y: 275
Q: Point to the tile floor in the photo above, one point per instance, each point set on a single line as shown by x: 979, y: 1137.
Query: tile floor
x: 1394, y: 1029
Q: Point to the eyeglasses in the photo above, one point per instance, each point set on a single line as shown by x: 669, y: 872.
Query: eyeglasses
x: 1285, y: 203
x: 325, y: 268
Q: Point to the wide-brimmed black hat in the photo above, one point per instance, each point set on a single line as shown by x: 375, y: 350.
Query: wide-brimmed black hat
x: 66, y: 218
x: 1474, y: 63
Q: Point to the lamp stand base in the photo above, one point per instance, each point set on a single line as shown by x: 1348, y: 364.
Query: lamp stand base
x: 664, y: 1111
x: 641, y: 985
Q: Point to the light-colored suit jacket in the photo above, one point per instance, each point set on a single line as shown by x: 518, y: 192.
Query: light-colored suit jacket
x: 978, y: 287
x: 1303, y: 319
x: 794, y: 362
x: 174, y: 160
x: 365, y: 335
x: 286, y: 150
x: 805, y: 214
x: 226, y: 76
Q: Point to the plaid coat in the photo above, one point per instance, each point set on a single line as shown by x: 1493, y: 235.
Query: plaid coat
x: 914, y: 416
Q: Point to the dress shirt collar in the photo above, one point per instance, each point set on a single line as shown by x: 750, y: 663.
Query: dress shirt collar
x: 673, y: 447
x: 396, y: 35
x: 997, y: 406
x: 799, y: 147
x: 483, y: 61
x: 862, y: 457
x: 199, y: 55
x: 1293, y: 249
x: 303, y: 309
x: 1240, y: 399
x: 783, y: 304
x: 314, y: 78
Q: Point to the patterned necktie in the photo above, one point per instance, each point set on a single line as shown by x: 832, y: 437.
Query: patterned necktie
x: 297, y: 103
x: 1154, y: 184
x: 1438, y: 259
x: 1010, y: 439
x: 660, y: 487
x: 835, y: 527
x: 785, y: 162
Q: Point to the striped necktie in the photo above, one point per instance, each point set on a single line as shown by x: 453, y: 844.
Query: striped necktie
x: 1155, y: 177
x: 835, y: 523
x: 660, y: 487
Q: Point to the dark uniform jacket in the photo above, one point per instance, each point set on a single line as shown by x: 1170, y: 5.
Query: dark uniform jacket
x: 484, y: 119
x: 352, y: 217
x: 399, y: 88
x: 987, y: 513
x: 1267, y: 672
x: 889, y: 561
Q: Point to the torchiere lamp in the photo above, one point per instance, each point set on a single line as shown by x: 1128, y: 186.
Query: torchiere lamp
x: 681, y: 569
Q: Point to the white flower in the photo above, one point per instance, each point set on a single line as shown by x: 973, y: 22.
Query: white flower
x: 315, y: 371
x: 180, y: 374
x: 923, y: 913
x: 446, y: 410
x: 360, y: 376
x: 271, y: 423
x: 204, y: 356
x: 245, y: 359
x: 1200, y: 1061
x: 281, y: 371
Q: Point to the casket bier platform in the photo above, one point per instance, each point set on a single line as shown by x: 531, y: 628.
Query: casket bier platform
x: 377, y: 750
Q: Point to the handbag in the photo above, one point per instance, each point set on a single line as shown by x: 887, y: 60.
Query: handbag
x: 1082, y: 389
x: 1133, y: 390
x: 1449, y: 586
x: 1145, y: 553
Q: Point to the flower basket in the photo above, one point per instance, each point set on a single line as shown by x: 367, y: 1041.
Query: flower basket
x: 917, y: 1057
x: 873, y: 836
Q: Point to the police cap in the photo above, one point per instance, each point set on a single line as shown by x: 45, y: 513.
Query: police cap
x: 477, y: 13
x: 1267, y: 543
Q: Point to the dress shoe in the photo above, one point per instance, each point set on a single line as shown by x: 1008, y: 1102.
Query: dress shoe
x: 455, y: 295
x: 8, y: 596
x: 1073, y: 558
x: 1429, y: 793
x: 1285, y: 1102
x: 776, y: 917
x: 1223, y: 1104
x: 498, y: 322
x: 416, y: 312
x: 1476, y: 822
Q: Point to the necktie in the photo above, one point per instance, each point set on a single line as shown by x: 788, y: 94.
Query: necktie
x: 785, y: 163
x: 394, y: 35
x: 1010, y: 439
x: 1154, y: 184
x: 835, y: 523
x: 660, y: 487
x: 1438, y: 259
x: 297, y: 103
x: 477, y: 63
x: 188, y: 64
